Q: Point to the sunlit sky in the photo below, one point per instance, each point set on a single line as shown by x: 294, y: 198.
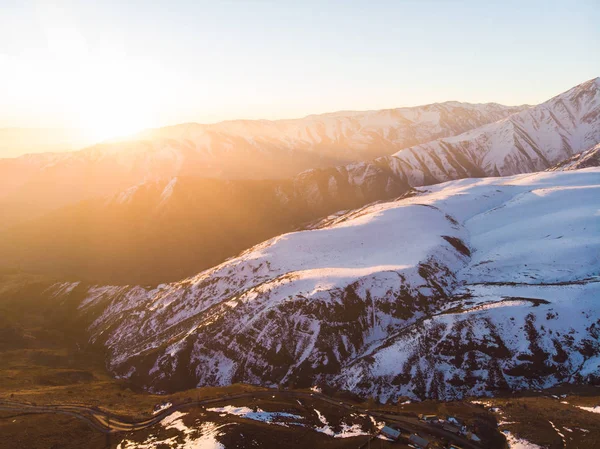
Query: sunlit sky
x: 114, y: 67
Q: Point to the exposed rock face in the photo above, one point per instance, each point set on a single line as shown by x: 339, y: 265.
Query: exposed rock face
x: 468, y: 287
x: 585, y: 159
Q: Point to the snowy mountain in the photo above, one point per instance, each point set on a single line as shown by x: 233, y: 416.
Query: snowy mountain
x: 244, y: 149
x: 468, y: 287
x: 532, y: 140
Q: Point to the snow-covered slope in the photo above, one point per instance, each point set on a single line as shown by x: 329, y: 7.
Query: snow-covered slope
x: 531, y: 140
x: 471, y: 286
x: 526, y: 313
x: 245, y: 149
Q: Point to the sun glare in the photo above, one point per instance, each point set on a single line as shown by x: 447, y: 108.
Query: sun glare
x: 115, y: 100
x: 109, y: 124
x: 112, y: 103
x: 97, y: 88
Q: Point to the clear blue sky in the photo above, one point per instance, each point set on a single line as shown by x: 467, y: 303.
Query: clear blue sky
x: 70, y: 63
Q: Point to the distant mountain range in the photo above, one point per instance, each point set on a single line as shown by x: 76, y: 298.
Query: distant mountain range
x: 144, y: 225
x: 34, y: 184
x: 531, y: 140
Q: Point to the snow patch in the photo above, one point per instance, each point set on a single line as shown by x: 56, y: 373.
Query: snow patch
x: 258, y: 415
x: 202, y: 437
x: 160, y: 407
x: 519, y: 443
x: 595, y: 409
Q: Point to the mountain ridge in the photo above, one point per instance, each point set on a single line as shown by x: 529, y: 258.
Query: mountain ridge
x: 236, y: 150
x: 513, y: 145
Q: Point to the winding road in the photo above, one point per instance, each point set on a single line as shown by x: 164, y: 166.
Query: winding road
x: 109, y: 423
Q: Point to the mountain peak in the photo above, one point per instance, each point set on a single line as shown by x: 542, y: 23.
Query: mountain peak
x: 592, y: 85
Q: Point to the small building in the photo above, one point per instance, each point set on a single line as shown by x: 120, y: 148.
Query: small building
x: 390, y: 433
x: 428, y: 418
x: 449, y: 427
x: 454, y: 420
x: 419, y: 441
x: 471, y: 436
